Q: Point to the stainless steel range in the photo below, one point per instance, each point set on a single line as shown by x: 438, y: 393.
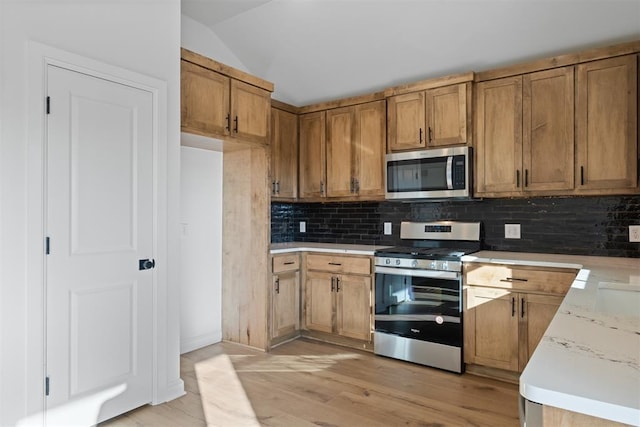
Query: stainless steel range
x: 418, y: 293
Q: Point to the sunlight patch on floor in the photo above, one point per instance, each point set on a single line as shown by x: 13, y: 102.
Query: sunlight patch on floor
x: 223, y: 398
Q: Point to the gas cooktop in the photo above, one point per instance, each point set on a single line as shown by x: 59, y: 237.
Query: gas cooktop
x: 414, y: 252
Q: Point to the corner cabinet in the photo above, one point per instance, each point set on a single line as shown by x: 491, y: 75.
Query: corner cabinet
x: 428, y: 119
x: 342, y: 153
x: 607, y: 125
x: 285, y: 297
x: 312, y: 146
x: 338, y: 295
x: 355, y: 150
x: 284, y: 155
x: 507, y: 309
x: 220, y: 105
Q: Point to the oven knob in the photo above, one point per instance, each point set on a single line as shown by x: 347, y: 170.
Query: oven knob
x: 397, y: 262
x: 387, y: 261
x: 444, y: 265
x: 414, y: 263
x: 434, y: 265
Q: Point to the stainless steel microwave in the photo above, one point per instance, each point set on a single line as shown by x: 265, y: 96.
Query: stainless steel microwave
x: 429, y: 174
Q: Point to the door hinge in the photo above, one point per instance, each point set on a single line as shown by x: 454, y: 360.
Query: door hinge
x: 48, y: 105
x: 47, y: 245
x: 46, y: 386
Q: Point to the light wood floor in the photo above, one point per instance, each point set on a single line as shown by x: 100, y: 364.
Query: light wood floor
x: 308, y: 383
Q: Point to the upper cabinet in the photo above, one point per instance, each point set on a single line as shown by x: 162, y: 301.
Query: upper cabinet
x: 284, y: 155
x: 524, y: 133
x: 221, y: 102
x: 607, y: 125
x: 312, y: 147
x: 355, y: 150
x: 342, y: 152
x: 431, y: 118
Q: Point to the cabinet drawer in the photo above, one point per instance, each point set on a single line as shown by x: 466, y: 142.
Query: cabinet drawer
x: 520, y: 278
x: 286, y: 263
x: 339, y: 263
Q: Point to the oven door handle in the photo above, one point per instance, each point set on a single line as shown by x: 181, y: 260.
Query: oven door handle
x: 434, y: 274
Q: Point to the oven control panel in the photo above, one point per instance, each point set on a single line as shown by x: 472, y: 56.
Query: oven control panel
x: 422, y: 264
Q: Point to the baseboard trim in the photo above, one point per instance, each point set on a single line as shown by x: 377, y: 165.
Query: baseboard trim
x: 199, y: 341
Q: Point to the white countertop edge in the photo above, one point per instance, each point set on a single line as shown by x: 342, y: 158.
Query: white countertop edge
x: 472, y: 258
x: 594, y: 408
x: 326, y: 250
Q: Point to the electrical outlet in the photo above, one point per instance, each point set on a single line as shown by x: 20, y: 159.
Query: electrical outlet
x: 512, y: 231
x: 303, y: 227
x: 634, y: 233
x: 387, y: 228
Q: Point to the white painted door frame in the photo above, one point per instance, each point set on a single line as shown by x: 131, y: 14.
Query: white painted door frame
x: 39, y: 57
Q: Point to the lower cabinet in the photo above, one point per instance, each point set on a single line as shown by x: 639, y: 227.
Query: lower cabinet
x: 285, y: 297
x: 507, y: 311
x: 338, y: 293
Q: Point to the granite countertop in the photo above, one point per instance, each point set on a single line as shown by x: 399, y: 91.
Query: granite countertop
x: 589, y: 358
x: 279, y: 248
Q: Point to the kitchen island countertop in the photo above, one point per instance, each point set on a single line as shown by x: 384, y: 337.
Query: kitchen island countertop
x: 589, y: 358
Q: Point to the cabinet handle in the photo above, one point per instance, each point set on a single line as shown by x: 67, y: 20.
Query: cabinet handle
x: 335, y: 263
x: 513, y: 279
x: 430, y: 135
x: 420, y: 134
x: 273, y: 187
x: 581, y: 175
x: 337, y: 284
x: 235, y: 124
x: 357, y: 185
x: 333, y: 284
x: 321, y: 187
x: 277, y: 285
x: 513, y: 306
x: 289, y: 263
x: 517, y: 178
x: 277, y: 187
x: 228, y: 126
x: 522, y: 308
x: 526, y: 177
x: 352, y: 186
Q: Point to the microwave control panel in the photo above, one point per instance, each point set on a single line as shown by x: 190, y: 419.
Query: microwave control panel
x: 458, y: 172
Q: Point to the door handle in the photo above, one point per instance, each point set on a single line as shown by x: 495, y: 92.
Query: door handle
x: 146, y: 264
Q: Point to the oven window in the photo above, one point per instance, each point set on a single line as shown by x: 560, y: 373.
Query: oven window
x: 399, y: 295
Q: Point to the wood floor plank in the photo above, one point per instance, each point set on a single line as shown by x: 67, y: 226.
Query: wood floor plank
x: 310, y: 383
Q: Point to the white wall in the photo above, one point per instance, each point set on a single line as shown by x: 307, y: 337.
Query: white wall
x: 201, y: 248
x: 200, y: 39
x: 139, y: 35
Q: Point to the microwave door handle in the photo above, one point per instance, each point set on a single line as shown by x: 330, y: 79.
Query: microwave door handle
x: 450, y: 172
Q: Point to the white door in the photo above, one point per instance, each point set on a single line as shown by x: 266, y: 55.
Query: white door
x: 99, y: 220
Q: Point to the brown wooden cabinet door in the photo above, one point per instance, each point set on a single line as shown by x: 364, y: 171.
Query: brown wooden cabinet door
x: 204, y: 101
x: 312, y: 165
x: 406, y: 122
x: 319, y: 301
x: 353, y: 307
x: 250, y: 111
x: 446, y: 110
x: 284, y: 154
x: 370, y: 137
x: 607, y: 124
x: 499, y: 136
x: 536, y: 313
x: 340, y: 152
x: 286, y: 305
x: 547, y: 140
x: 491, y: 328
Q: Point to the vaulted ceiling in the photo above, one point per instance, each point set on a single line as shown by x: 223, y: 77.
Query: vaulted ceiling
x: 319, y: 50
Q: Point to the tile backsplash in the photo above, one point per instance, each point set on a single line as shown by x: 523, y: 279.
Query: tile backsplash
x: 568, y: 225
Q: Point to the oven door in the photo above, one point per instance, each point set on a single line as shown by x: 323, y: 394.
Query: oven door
x: 419, y: 304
